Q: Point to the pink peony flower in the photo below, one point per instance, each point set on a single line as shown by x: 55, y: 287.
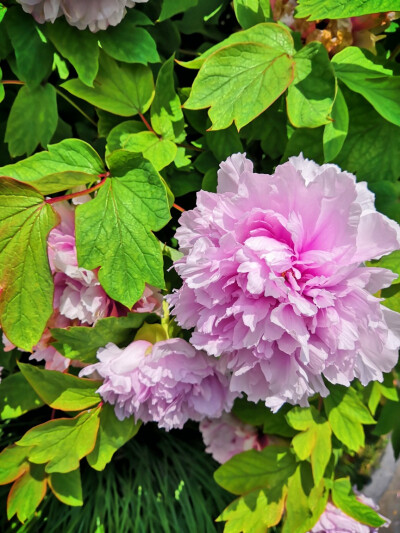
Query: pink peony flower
x: 78, y: 294
x: 168, y: 382
x: 95, y: 14
x: 228, y: 436
x: 334, y: 520
x: 273, y: 277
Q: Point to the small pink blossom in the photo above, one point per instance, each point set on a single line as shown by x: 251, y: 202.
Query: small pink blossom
x: 274, y: 278
x: 227, y: 436
x: 93, y: 14
x: 334, y: 520
x: 168, y: 382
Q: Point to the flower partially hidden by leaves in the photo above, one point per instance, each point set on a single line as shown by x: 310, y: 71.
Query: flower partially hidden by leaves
x: 93, y: 14
x: 169, y: 382
x: 273, y: 278
x: 227, y: 436
x: 334, y: 520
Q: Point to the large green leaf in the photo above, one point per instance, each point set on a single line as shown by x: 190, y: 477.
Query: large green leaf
x: 126, y: 42
x: 13, y: 463
x: 311, y: 95
x: 270, y: 34
x: 251, y: 12
x: 34, y: 58
x: 255, y: 512
x: 113, y: 434
x: 346, y: 415
x: 120, y: 89
x: 252, y: 470
x: 314, y: 441
x: 113, y: 231
x: 79, y: 47
x: 355, y: 68
x: 67, y: 487
x: 239, y: 82
x: 335, y: 132
x: 62, y: 443
x: 32, y: 120
x: 370, y: 143
x: 62, y: 391
x: 65, y: 165
x: 344, y: 498
x: 81, y: 342
x: 27, y: 493
x: 166, y: 112
x: 26, y: 301
x: 17, y: 397
x: 321, y: 9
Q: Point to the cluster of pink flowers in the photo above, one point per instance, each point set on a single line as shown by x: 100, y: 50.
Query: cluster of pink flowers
x: 227, y: 436
x: 93, y: 14
x: 274, y: 281
x: 168, y: 382
x: 334, y: 34
x: 334, y: 520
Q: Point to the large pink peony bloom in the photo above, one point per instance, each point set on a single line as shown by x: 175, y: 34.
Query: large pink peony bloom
x: 78, y: 294
x: 94, y: 14
x: 334, y: 520
x: 273, y: 277
x: 227, y: 436
x: 168, y: 382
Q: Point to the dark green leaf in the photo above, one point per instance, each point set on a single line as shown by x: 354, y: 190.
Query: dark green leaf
x: 173, y: 7
x: 67, y: 487
x: 335, y: 132
x: 309, y: 142
x: 32, y: 120
x: 17, y: 397
x: 251, y: 12
x: 26, y: 301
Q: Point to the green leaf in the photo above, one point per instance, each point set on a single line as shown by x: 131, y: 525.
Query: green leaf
x: 81, y: 342
x: 387, y: 199
x: 224, y: 143
x: 79, y: 47
x: 370, y: 143
x: 160, y: 152
x: 32, y: 120
x: 126, y: 42
x: 311, y: 95
x: 314, y: 441
x: 251, y: 12
x: 62, y: 443
x: 124, y: 90
x: 67, y: 487
x: 17, y: 397
x: 309, y: 142
x: 355, y: 68
x: 255, y: 512
x: 27, y: 493
x: 321, y: 9
x: 120, y: 132
x: 391, y: 262
x: 335, y: 132
x: 173, y: 7
x: 389, y: 422
x: 113, y: 434
x: 269, y: 34
x: 62, y: 391
x: 166, y: 113
x: 2, y: 93
x: 239, y: 82
x: 65, y: 165
x: 34, y: 58
x: 113, y: 231
x: 13, y: 463
x: 26, y: 301
x: 344, y: 498
x: 252, y: 470
x: 258, y: 414
x: 305, y: 501
x: 346, y: 414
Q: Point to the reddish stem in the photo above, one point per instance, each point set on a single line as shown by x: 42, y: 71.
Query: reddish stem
x: 80, y: 193
x: 143, y: 118
x: 12, y: 82
x: 53, y: 414
x: 190, y: 147
x: 179, y: 208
